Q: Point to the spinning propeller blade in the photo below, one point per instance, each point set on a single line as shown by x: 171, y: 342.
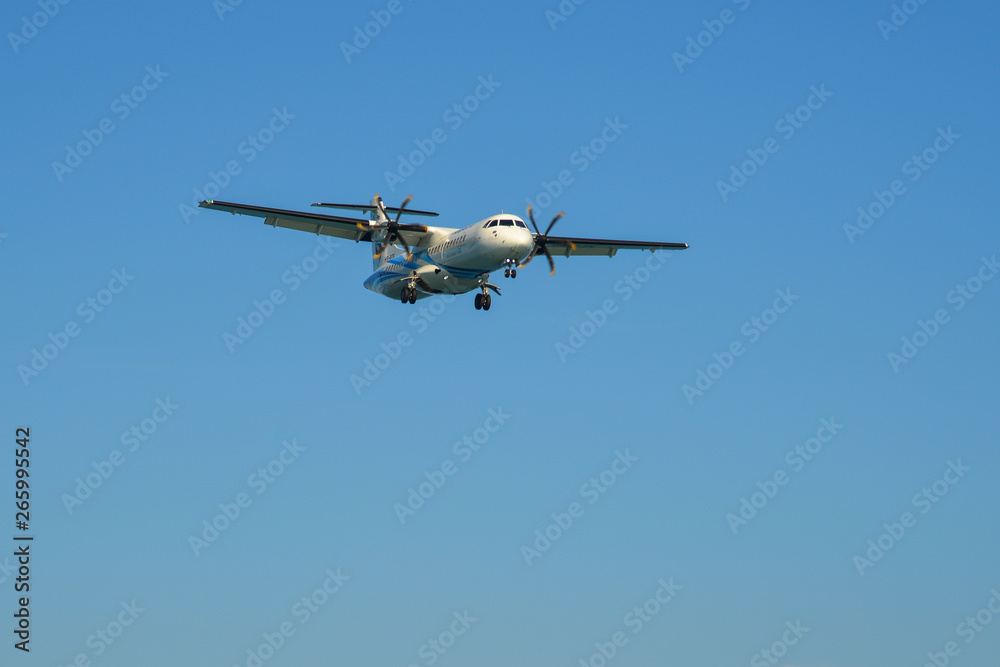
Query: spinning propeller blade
x: 541, y: 240
x: 392, y: 227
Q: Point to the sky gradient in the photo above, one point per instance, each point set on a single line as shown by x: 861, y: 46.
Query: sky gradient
x: 780, y: 440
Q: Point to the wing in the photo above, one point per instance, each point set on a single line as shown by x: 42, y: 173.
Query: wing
x: 354, y: 229
x: 568, y: 246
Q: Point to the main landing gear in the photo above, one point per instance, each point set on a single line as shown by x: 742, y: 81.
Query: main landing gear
x: 483, y: 299
x: 409, y: 294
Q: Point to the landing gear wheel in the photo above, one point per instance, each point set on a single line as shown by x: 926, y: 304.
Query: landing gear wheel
x: 413, y: 295
x: 513, y: 273
x: 506, y: 273
x: 479, y: 302
x: 487, y: 300
x: 404, y: 296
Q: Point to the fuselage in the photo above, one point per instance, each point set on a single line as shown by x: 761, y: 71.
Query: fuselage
x: 453, y: 261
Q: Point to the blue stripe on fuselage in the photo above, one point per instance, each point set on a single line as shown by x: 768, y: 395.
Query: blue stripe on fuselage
x: 401, y: 268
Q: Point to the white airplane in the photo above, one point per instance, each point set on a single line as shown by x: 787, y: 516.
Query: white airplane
x: 416, y: 261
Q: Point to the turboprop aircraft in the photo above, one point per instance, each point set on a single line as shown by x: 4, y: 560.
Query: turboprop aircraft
x: 414, y: 261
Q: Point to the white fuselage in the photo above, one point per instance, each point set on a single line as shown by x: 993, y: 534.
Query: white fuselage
x: 453, y: 261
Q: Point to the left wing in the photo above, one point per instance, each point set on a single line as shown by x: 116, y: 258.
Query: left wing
x: 314, y: 223
x: 568, y: 246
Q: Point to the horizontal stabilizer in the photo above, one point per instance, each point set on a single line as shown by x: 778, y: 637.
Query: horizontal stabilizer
x: 368, y: 208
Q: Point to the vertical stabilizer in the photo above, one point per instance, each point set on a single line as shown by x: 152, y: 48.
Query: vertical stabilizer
x: 378, y: 217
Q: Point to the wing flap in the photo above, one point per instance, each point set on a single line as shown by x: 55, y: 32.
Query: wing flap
x: 338, y: 231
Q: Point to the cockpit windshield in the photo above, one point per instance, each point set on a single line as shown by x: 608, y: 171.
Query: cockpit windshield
x: 505, y: 223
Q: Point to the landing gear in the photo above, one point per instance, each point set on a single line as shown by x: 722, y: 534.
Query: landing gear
x: 511, y: 270
x: 483, y: 299
x: 408, y: 295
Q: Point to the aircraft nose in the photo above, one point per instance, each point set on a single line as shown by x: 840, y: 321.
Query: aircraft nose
x: 527, y: 242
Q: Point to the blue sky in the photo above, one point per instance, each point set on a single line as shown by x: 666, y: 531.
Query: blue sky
x: 635, y: 452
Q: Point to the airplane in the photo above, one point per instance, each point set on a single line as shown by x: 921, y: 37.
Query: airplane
x: 413, y: 261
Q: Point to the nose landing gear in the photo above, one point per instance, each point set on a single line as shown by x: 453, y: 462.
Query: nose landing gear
x: 511, y: 270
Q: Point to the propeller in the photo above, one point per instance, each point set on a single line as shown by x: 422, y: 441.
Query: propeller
x: 393, y: 228
x: 541, y: 240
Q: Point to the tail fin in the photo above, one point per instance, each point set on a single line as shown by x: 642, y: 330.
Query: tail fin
x: 378, y: 210
x: 378, y: 217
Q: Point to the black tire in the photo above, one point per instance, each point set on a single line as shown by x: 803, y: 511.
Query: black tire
x: 479, y: 301
x: 413, y: 295
x: 487, y: 302
x: 404, y: 296
x: 513, y: 273
x: 506, y: 273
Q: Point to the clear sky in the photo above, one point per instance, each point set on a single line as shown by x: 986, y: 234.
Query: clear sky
x: 776, y: 447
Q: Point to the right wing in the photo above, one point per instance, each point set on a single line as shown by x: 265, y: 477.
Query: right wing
x: 569, y: 246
